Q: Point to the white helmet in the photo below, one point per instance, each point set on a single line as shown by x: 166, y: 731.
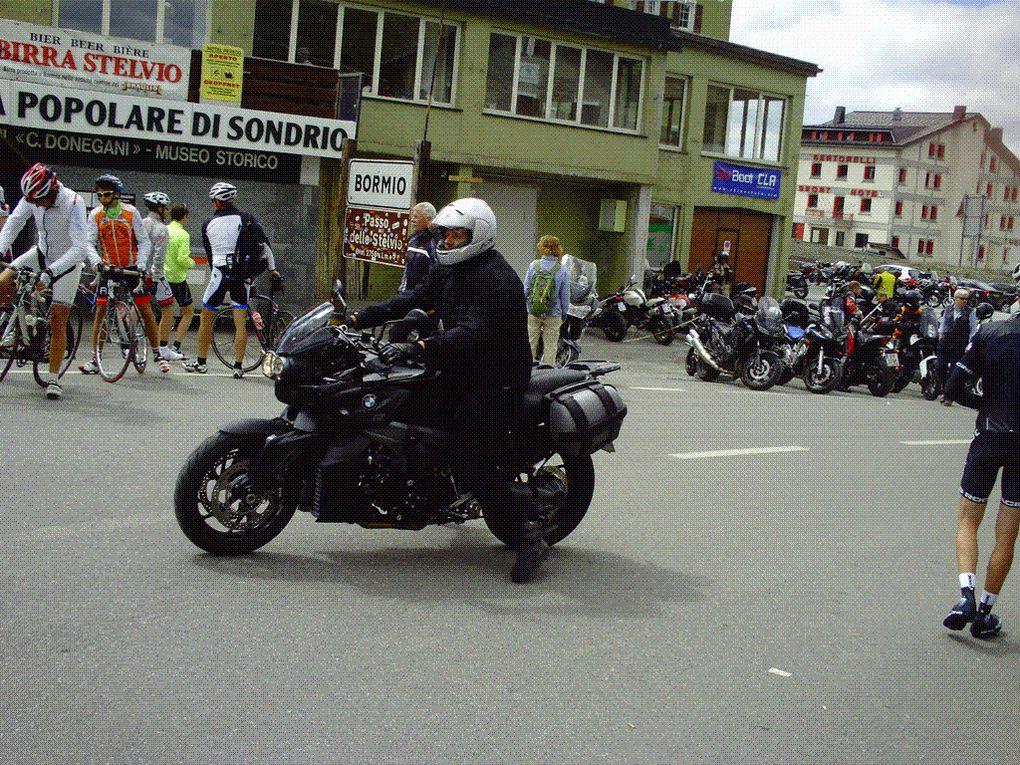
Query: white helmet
x: 157, y: 199
x: 1016, y: 272
x: 471, y: 214
x: 223, y: 191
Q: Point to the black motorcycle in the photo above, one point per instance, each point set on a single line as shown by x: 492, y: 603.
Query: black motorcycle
x: 824, y: 348
x: 343, y: 450
x: 748, y: 347
x: 915, y: 344
x: 872, y: 360
x: 797, y: 284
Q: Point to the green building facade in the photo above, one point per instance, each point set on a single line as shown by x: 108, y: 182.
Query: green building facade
x: 615, y: 126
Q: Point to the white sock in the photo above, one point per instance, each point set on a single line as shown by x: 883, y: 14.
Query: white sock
x: 989, y: 598
x: 967, y: 581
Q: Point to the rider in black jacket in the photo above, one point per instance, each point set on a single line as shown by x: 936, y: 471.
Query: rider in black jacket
x: 484, y: 357
x: 994, y: 356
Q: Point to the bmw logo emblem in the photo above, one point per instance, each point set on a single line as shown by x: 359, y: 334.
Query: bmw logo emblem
x: 369, y: 401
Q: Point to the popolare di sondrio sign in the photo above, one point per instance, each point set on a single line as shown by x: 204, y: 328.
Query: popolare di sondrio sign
x: 744, y: 181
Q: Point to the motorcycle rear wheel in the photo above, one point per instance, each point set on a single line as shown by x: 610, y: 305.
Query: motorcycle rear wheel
x: 800, y: 292
x: 566, y: 488
x: 881, y: 383
x: 930, y: 387
x: 214, y: 507
x: 565, y: 354
x: 662, y: 331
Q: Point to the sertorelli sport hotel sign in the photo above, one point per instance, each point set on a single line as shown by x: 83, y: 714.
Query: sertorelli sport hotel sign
x: 72, y: 59
x: 75, y: 111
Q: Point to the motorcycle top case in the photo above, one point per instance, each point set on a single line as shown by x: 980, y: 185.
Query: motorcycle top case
x: 584, y: 417
x: 716, y: 306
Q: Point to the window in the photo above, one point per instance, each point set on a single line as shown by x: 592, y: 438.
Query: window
x: 993, y: 163
x: 920, y: 247
x: 812, y: 200
x: 934, y: 214
x: 869, y: 173
x: 395, y: 52
x: 1002, y: 223
x: 866, y: 204
x: 929, y: 247
x: 899, y: 209
x: 981, y: 252
x: 931, y: 150
x: 743, y: 123
x: 837, y: 207
x: 1012, y: 197
x: 895, y: 242
x: 942, y: 151
x: 816, y: 170
x: 673, y: 98
x: 1005, y: 194
x: 924, y: 212
x: 1009, y: 224
x: 842, y: 171
x: 860, y: 240
x: 938, y: 181
x: 840, y: 238
x: 988, y: 190
x: 982, y: 160
x: 903, y: 175
x: 927, y: 180
x: 537, y: 78
x: 685, y: 14
x: 181, y: 22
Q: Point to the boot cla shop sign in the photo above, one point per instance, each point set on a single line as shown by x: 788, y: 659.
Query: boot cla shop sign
x: 84, y: 61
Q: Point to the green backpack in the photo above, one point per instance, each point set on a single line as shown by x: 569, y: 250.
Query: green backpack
x: 543, y: 289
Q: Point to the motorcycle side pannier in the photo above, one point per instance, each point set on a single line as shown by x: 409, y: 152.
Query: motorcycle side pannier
x: 584, y: 417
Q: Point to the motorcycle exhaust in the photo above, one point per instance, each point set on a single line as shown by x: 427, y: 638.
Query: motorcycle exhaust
x: 695, y: 342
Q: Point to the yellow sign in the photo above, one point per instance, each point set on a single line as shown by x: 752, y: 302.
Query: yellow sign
x: 222, y: 73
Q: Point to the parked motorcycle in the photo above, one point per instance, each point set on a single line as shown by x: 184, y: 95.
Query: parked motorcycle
x: 825, y: 347
x: 653, y: 315
x: 871, y: 360
x: 932, y: 384
x: 749, y: 348
x: 914, y: 346
x: 343, y: 450
x: 797, y: 284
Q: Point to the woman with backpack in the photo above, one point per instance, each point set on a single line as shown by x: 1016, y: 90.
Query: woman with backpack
x: 547, y: 290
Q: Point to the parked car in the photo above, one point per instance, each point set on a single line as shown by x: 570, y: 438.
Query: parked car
x: 903, y: 273
x: 982, y: 292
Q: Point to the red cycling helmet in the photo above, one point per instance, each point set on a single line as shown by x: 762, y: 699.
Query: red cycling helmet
x: 38, y: 182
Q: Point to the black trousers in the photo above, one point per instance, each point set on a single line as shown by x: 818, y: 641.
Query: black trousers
x: 479, y: 421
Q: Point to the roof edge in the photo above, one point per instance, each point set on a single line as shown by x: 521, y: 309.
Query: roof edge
x: 753, y: 55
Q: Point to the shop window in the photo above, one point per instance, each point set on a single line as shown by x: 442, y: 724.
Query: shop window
x: 866, y: 205
x: 744, y: 123
x: 182, y: 23
x: 673, y: 98
x: 842, y: 171
x: 903, y: 175
x: 812, y: 200
x: 661, y: 234
x: 869, y: 173
x: 581, y: 79
x: 816, y: 170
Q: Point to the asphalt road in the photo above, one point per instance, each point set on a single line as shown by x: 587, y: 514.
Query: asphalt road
x: 782, y: 607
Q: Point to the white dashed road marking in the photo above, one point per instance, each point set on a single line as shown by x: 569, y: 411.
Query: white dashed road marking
x: 947, y: 442
x: 671, y: 390
x: 738, y: 452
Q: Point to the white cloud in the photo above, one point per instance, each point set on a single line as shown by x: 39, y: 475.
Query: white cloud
x: 921, y: 55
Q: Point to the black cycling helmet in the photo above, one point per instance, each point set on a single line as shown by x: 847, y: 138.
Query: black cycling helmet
x: 984, y: 311
x: 108, y: 182
x: 723, y: 257
x: 912, y: 298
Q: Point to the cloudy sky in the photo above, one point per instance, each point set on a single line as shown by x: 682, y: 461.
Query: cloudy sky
x: 921, y: 55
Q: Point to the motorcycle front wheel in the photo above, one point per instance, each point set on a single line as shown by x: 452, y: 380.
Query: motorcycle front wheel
x: 613, y: 324
x: 761, y: 370
x: 562, y: 488
x: 215, y: 505
x: 821, y: 382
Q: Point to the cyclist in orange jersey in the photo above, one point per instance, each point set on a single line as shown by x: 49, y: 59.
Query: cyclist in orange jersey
x: 119, y: 241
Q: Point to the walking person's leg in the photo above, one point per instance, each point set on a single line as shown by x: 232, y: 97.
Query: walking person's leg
x: 551, y: 338
x: 534, y: 333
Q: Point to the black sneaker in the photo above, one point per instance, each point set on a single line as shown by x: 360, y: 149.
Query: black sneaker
x: 963, y: 613
x: 529, y: 558
x: 238, y: 373
x: 985, y: 626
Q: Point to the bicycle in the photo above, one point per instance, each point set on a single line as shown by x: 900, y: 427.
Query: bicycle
x: 121, y: 339
x: 26, y: 322
x: 264, y: 329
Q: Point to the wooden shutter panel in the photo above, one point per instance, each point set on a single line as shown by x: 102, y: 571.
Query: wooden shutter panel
x: 676, y: 14
x: 697, y: 17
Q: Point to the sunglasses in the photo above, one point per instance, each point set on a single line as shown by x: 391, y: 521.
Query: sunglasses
x: 105, y: 194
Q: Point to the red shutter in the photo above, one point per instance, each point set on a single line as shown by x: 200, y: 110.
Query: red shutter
x: 697, y: 18
x: 929, y: 248
x: 676, y: 14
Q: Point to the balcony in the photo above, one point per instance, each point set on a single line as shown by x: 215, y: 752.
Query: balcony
x: 835, y: 216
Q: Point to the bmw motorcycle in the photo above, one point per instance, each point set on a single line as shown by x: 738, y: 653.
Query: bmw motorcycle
x: 343, y: 449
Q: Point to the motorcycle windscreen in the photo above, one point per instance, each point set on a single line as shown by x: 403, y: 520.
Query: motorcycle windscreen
x: 929, y: 324
x: 302, y: 328
x: 770, y: 317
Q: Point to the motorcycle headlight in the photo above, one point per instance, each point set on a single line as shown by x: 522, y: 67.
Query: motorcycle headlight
x: 273, y: 366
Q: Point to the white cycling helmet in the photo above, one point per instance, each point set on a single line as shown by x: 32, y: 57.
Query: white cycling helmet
x: 223, y: 191
x: 472, y: 214
x: 1016, y: 272
x: 157, y: 199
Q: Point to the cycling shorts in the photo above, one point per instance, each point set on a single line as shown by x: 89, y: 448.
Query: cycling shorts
x: 167, y: 292
x: 223, y: 283
x: 64, y: 286
x: 164, y: 296
x: 131, y: 282
x: 990, y: 452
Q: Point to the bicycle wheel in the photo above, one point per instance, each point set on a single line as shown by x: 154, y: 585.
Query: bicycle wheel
x: 139, y: 343
x: 224, y: 340
x: 10, y: 353
x: 41, y: 366
x: 114, y: 344
x: 281, y: 321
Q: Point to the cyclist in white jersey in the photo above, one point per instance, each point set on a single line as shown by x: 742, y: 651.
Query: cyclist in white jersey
x: 154, y: 224
x: 62, y: 244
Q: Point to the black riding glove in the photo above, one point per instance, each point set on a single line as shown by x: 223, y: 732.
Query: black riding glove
x: 394, y: 353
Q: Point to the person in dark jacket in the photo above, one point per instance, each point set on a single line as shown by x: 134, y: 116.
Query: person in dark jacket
x: 994, y: 356
x: 420, y: 255
x: 484, y: 357
x: 959, y: 323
